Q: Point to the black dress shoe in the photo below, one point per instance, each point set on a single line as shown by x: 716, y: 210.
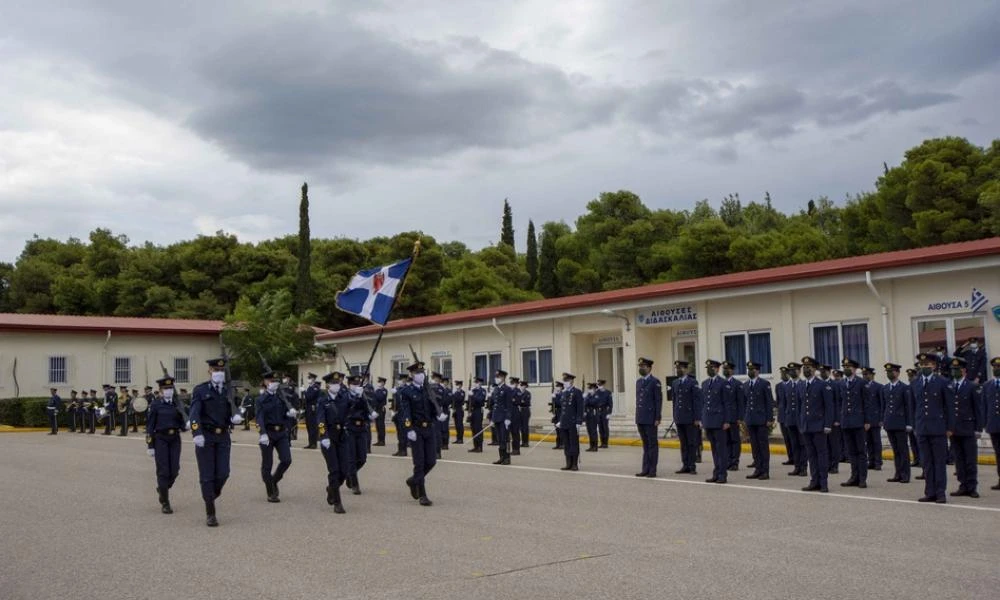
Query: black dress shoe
x: 915, y: 463
x: 681, y: 471
x: 959, y: 492
x: 753, y: 476
x: 875, y: 468
x: 721, y: 481
x: 894, y: 480
x: 995, y: 487
x: 849, y: 483
x: 650, y: 475
x: 920, y: 477
x: 862, y: 484
x: 925, y: 499
x: 942, y: 500
x: 643, y: 474
x: 734, y: 467
x: 763, y: 477
x: 904, y: 481
x: 591, y: 450
x: 972, y: 494
x: 604, y: 446
x: 824, y: 490
x: 795, y: 473
x: 712, y: 480
x: 413, y: 488
x: 788, y: 462
x: 505, y: 461
x: 810, y: 488
x: 752, y: 465
x: 515, y: 453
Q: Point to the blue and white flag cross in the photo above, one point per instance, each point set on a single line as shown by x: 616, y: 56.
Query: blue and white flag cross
x: 979, y: 300
x: 371, y: 293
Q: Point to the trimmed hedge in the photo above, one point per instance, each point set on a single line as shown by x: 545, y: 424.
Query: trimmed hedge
x: 29, y: 412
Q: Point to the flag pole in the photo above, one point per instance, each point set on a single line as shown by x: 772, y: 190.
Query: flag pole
x: 402, y: 286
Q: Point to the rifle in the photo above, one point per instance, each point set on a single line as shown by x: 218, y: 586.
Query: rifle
x: 430, y: 391
x: 267, y: 368
x: 179, y: 403
x: 230, y: 392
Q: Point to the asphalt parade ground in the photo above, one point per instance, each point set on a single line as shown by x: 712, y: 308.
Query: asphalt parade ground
x: 80, y: 519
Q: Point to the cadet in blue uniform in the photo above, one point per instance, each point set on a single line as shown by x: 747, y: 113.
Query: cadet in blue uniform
x: 991, y: 405
x: 717, y: 414
x: 524, y: 403
x: 873, y: 436
x: 781, y: 394
x: 686, y: 395
x: 273, y: 426
x: 310, y: 397
x: 911, y: 436
x: 164, y: 424
x: 74, y: 402
x: 555, y: 407
x: 933, y: 423
x: 759, y: 417
x: 477, y: 401
x: 975, y: 360
x: 331, y: 413
x: 836, y: 444
x: 211, y: 416
x: 792, y: 410
x: 816, y: 417
x: 458, y: 412
x: 607, y: 407
x: 968, y: 414
x: 855, y: 417
x: 501, y: 399
x: 419, y: 414
x: 590, y: 410
x: 514, y: 430
x: 897, y: 419
x: 401, y: 381
x: 359, y: 416
x: 570, y: 420
x: 443, y: 395
x: 380, y: 400
x: 53, y: 408
x: 739, y: 400
x: 648, y: 412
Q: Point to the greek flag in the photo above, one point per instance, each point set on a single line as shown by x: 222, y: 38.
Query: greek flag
x: 371, y: 293
x: 979, y: 300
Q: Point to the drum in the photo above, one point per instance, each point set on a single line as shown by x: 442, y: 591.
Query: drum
x: 139, y: 404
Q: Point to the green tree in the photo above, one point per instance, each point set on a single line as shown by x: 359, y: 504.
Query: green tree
x: 303, y: 283
x: 531, y: 259
x: 270, y: 327
x: 731, y: 211
x: 507, y: 227
x: 548, y: 258
x: 702, y: 249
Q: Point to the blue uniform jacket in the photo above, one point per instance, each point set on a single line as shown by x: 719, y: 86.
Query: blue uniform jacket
x: 443, y: 396
x: 991, y: 405
x: 525, y: 399
x: 381, y: 396
x: 477, y: 399
x: 718, y: 403
x: 782, y: 390
x: 648, y: 400
x: 357, y: 412
x: 931, y: 414
x: 331, y: 414
x: 502, y: 398
x: 855, y: 409
x: 739, y: 398
x: 816, y: 406
x: 415, y: 408
x: 458, y: 401
x: 975, y: 363
x: 607, y: 401
x: 873, y: 391
x: 571, y: 410
x: 270, y: 410
x: 967, y: 410
x: 687, y: 400
x: 898, y: 402
x: 55, y: 402
x: 162, y: 417
x: 591, y: 404
x: 209, y: 409
x: 759, y: 402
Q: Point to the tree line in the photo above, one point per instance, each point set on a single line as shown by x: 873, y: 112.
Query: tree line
x: 944, y: 190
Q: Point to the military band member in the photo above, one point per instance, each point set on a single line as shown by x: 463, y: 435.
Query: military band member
x: 570, y: 421
x: 897, y: 420
x: 717, y: 415
x: 310, y: 401
x: 739, y: 400
x: 816, y: 416
x: 933, y: 423
x: 590, y: 409
x: 74, y: 402
x: 855, y: 417
x: 53, y: 408
x: 458, y: 411
x: 968, y: 415
x: 133, y: 414
x: 359, y: 417
x: 83, y: 412
x: 555, y: 407
x: 247, y: 403
x: 123, y: 400
x: 759, y: 418
x: 606, y: 408
x: 991, y: 403
x: 211, y: 416
x: 401, y: 381
x: 648, y: 413
x: 380, y: 401
x: 273, y: 427
x: 525, y: 406
x: 911, y: 374
x: 687, y: 411
x: 419, y: 414
x: 514, y: 430
x: 477, y: 401
x: 94, y: 409
x: 164, y: 424
x: 110, y: 408
x: 331, y: 411
x: 502, y: 401
x: 873, y: 436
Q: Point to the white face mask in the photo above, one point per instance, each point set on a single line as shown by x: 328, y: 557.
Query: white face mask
x: 167, y: 393
x: 218, y: 377
x: 356, y: 390
x: 272, y: 387
x: 311, y: 381
x: 334, y: 388
x: 973, y: 346
x: 419, y: 378
x: 380, y: 385
x: 498, y: 380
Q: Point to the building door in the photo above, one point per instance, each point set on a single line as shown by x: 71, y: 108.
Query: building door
x: 609, y: 367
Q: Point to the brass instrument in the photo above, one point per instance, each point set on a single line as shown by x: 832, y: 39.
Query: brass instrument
x: 123, y: 404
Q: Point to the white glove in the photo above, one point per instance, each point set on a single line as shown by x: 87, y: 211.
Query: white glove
x: 150, y: 452
x: 411, y: 435
x: 373, y: 415
x: 104, y: 413
x: 909, y: 428
x: 392, y: 391
x: 827, y: 430
x: 392, y: 415
x: 264, y: 440
x: 236, y: 419
x: 199, y: 440
x: 188, y: 424
x: 506, y: 423
x: 444, y: 417
x: 243, y: 410
x: 579, y: 428
x: 325, y: 442
x: 292, y: 413
x: 559, y: 425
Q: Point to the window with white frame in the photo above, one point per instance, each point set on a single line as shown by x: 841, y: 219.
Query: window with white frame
x: 833, y: 342
x: 398, y: 367
x: 743, y: 346
x: 952, y: 333
x: 123, y: 369
x: 182, y: 369
x: 57, y: 369
x: 441, y: 364
x: 536, y: 365
x: 487, y: 363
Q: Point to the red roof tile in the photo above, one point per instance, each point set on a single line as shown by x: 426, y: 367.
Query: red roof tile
x: 837, y: 266
x: 33, y: 322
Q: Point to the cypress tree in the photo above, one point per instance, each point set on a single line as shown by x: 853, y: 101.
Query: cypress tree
x: 303, y: 282
x: 507, y: 230
x: 531, y: 260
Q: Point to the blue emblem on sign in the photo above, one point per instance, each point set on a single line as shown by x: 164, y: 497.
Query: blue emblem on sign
x: 996, y: 312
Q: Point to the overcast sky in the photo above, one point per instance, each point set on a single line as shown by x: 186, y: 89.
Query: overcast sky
x: 165, y: 120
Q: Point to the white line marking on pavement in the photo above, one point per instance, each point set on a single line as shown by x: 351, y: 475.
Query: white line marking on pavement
x: 734, y: 486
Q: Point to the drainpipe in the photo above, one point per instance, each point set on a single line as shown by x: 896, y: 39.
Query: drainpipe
x: 885, y: 314
x: 509, y: 355
x: 104, y: 356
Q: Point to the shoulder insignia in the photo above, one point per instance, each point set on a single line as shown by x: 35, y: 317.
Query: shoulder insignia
x: 406, y: 423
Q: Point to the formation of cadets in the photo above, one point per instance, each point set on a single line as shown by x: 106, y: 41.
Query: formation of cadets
x: 826, y: 417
